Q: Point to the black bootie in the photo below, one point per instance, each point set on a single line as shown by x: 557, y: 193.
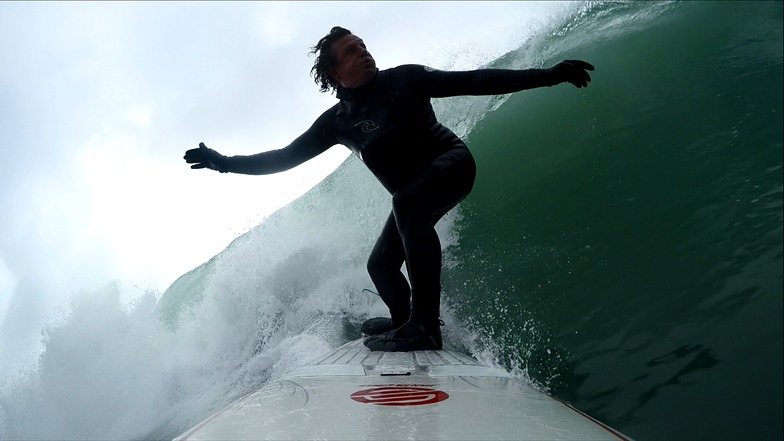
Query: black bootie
x: 379, y: 325
x: 412, y: 336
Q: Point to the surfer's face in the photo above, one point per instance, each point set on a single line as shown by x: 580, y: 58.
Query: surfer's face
x: 355, y: 66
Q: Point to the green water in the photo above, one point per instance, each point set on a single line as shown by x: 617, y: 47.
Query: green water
x: 637, y: 225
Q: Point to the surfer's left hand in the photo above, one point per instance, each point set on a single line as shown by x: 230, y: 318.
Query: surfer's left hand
x: 572, y: 71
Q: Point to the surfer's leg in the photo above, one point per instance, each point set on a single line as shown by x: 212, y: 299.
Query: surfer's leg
x: 383, y: 266
x: 417, y: 208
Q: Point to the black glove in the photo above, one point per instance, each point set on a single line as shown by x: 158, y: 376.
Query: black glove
x: 205, y: 157
x: 572, y: 71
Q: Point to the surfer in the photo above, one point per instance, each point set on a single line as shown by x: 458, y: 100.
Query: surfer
x: 386, y: 119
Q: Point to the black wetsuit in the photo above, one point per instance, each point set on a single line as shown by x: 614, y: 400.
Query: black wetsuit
x: 390, y: 124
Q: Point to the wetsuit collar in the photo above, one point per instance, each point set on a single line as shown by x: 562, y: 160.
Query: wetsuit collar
x: 356, y: 93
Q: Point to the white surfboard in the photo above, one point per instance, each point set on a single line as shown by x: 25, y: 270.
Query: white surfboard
x: 355, y: 394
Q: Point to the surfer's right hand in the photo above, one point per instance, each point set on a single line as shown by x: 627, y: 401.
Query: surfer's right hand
x: 205, y: 157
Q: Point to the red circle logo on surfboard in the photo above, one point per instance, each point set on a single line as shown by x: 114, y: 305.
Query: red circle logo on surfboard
x: 399, y: 395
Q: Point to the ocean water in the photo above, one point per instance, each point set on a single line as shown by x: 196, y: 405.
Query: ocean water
x: 622, y: 249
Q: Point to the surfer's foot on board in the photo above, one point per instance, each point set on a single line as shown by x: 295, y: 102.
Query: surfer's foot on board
x: 377, y: 325
x: 412, y: 336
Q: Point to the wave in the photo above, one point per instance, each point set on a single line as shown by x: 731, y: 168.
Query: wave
x: 617, y: 239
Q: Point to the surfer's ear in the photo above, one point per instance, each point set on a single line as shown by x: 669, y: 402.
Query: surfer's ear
x: 334, y: 73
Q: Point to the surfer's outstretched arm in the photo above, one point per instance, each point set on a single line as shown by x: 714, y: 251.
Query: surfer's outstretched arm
x: 307, y: 146
x: 440, y: 84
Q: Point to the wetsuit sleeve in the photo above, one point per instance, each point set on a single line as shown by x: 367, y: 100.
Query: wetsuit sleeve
x: 310, y: 144
x: 439, y: 84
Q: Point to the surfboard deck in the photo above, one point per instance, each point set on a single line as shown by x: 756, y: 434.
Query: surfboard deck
x: 355, y: 394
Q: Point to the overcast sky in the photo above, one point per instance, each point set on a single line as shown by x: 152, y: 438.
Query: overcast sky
x: 99, y: 101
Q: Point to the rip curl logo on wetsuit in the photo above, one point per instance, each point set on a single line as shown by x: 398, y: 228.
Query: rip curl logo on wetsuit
x: 367, y: 126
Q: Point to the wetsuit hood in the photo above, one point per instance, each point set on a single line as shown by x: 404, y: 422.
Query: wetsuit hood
x: 357, y: 93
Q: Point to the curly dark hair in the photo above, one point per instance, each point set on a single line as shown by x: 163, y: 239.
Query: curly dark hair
x: 325, y: 59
